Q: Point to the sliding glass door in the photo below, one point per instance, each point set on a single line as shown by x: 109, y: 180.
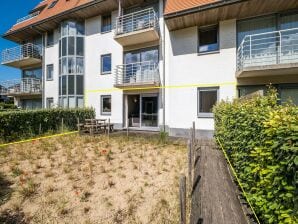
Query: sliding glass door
x: 149, y: 111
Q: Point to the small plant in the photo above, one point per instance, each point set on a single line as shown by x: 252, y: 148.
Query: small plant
x: 16, y: 171
x: 163, y: 137
x: 28, y: 188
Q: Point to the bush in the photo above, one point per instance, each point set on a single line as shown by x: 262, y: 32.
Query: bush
x: 7, y: 106
x: 261, y: 139
x: 23, y: 124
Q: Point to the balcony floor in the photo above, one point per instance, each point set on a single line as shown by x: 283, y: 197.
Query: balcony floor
x: 138, y: 85
x: 138, y: 37
x: 268, y: 70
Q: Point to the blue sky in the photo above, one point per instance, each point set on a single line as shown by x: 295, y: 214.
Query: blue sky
x: 10, y: 11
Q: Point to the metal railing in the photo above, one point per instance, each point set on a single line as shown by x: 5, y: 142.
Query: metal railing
x: 30, y: 16
x: 271, y: 48
x: 21, y: 86
x: 21, y: 52
x: 136, y: 21
x: 137, y: 73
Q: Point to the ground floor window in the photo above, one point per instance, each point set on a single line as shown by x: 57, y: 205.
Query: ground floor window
x: 106, y: 105
x: 31, y: 104
x: 286, y: 92
x: 50, y: 103
x: 207, y: 98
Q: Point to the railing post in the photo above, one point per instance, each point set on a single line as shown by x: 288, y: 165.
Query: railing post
x: 280, y: 45
x: 250, y: 49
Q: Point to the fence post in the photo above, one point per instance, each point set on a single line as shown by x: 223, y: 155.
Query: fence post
x: 182, y: 197
x: 78, y: 123
x: 189, y: 165
x: 62, y: 124
x: 39, y: 129
x: 109, y: 130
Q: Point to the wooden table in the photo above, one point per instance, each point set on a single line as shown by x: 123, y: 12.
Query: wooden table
x: 94, y: 126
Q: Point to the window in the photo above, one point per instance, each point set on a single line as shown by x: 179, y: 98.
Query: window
x: 207, y: 98
x: 50, y: 71
x: 208, y: 39
x: 106, y: 23
x: 52, y: 4
x: 106, y: 105
x: 50, y: 103
x: 50, y: 39
x: 106, y: 64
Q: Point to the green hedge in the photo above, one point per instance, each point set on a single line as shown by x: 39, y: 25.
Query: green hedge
x: 16, y: 125
x: 261, y: 139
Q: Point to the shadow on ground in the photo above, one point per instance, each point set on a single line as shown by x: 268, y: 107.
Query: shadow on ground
x: 5, y: 189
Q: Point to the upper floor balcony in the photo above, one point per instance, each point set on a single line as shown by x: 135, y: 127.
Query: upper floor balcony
x: 22, y: 56
x: 266, y: 54
x: 137, y: 28
x: 21, y: 87
x: 30, y: 16
x: 141, y: 74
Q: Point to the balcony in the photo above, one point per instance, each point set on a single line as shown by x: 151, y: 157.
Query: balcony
x: 267, y: 54
x: 22, y: 56
x: 141, y: 74
x: 137, y: 28
x: 21, y: 87
x: 30, y: 16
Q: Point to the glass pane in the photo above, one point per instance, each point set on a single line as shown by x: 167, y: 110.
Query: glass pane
x: 106, y: 64
x: 150, y: 111
x: 246, y: 90
x: 106, y: 23
x: 80, y: 29
x: 80, y: 85
x: 49, y: 71
x: 71, y: 102
x: 65, y: 105
x: 208, y: 40
x: 64, y: 66
x: 60, y: 87
x: 80, y: 102
x: 80, y: 65
x: 63, y: 85
x: 70, y: 85
x: 106, y: 104
x: 72, y: 28
x: 50, y: 38
x: 64, y: 41
x: 289, y: 94
x: 208, y: 99
x: 289, y: 21
x: 64, y: 29
x: 59, y: 48
x: 132, y: 57
x: 150, y: 55
x: 71, y: 65
x: 71, y: 50
x: 80, y: 46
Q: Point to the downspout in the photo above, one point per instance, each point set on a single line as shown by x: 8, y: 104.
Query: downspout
x: 42, y: 66
x: 164, y: 68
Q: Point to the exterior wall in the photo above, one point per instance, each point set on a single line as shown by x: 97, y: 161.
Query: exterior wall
x: 52, y: 57
x: 184, y: 67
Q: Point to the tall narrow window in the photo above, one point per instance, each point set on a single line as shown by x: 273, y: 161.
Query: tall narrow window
x: 106, y: 105
x: 50, y: 39
x: 106, y: 64
x: 207, y: 98
x: 50, y: 103
x: 106, y: 23
x: 50, y: 72
x: 208, y: 39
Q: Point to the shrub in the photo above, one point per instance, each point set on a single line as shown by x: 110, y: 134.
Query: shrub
x: 261, y: 139
x: 23, y: 124
x: 7, y: 106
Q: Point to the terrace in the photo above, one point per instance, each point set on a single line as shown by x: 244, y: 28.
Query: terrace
x: 24, y: 86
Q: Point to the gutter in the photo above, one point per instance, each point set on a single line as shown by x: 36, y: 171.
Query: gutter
x: 5, y: 35
x: 202, y: 8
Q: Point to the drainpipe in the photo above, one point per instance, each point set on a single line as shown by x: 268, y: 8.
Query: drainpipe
x: 164, y: 68
x: 42, y: 66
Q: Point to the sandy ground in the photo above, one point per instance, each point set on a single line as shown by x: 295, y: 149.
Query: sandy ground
x: 83, y: 179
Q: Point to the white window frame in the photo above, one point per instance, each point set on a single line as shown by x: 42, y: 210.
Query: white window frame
x: 52, y: 78
x: 102, y: 97
x: 47, y: 102
x: 101, y: 64
x: 205, y: 89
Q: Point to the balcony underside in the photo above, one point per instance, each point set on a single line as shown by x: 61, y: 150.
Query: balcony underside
x: 268, y: 70
x: 138, y: 37
x: 24, y: 94
x: 149, y: 84
x: 24, y: 62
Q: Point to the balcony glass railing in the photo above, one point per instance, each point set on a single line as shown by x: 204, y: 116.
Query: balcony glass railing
x: 30, y: 16
x: 21, y: 86
x: 21, y: 52
x: 136, y: 21
x: 137, y: 73
x: 272, y: 48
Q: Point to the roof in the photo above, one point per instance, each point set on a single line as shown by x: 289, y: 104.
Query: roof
x: 61, y: 6
x: 175, y: 6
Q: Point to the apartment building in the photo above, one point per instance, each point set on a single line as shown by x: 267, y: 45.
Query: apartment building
x: 151, y: 65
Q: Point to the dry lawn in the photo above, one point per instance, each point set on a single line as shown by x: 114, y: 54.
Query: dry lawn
x: 83, y: 179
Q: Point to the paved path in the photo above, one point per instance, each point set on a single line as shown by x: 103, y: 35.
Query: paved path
x: 214, y: 198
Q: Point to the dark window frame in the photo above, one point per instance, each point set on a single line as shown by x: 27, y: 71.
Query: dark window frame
x: 102, y: 97
x: 205, y: 114
x: 50, y: 44
x: 52, y: 77
x: 101, y: 64
x: 206, y: 28
x: 106, y: 28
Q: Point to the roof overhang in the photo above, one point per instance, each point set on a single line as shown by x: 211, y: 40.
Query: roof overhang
x: 85, y: 11
x: 227, y: 9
